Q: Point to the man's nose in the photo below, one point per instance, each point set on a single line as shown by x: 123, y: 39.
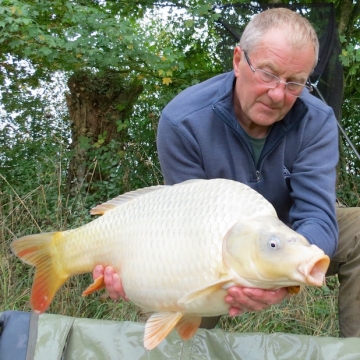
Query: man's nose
x: 278, y: 92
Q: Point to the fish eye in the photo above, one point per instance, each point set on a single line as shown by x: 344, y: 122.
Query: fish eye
x: 274, y: 243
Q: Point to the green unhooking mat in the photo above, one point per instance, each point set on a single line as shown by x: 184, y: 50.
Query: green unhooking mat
x: 25, y: 336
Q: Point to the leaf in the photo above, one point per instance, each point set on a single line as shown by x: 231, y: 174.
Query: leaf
x: 189, y: 23
x: 45, y: 51
x: 166, y: 81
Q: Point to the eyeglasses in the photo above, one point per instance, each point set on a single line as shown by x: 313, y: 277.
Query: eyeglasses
x: 269, y: 80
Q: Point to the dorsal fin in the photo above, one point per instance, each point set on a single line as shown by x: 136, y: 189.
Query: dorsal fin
x: 124, y: 198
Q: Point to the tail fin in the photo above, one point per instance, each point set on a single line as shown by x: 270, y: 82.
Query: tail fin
x: 38, y: 250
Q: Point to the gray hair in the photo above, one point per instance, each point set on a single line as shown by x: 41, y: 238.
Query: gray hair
x: 298, y: 30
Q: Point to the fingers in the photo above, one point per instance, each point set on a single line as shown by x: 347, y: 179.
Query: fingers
x: 112, y: 282
x: 98, y: 271
x: 233, y: 311
x: 249, y: 299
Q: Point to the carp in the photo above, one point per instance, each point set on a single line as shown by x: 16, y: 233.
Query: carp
x: 177, y: 250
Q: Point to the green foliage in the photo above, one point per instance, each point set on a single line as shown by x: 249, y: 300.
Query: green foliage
x: 126, y: 166
x: 41, y: 38
x: 68, y: 36
x: 350, y: 59
x: 64, y: 34
x: 349, y: 174
x: 33, y: 141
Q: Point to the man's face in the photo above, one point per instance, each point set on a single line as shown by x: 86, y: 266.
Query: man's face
x: 255, y: 105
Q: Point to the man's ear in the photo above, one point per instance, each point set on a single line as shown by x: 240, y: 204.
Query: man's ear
x: 236, y: 59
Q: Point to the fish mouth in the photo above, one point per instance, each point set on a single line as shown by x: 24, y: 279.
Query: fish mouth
x: 315, y: 269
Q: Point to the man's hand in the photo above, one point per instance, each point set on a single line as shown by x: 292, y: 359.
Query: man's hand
x: 249, y: 299
x: 112, y: 282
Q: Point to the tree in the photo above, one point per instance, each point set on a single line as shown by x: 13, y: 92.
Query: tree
x: 110, y: 52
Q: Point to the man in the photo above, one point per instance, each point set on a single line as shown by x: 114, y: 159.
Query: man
x: 259, y: 125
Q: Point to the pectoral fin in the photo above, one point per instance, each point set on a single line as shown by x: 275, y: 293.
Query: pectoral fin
x: 158, y: 327
x: 203, y: 292
x: 293, y: 289
x: 98, y: 284
x: 187, y: 326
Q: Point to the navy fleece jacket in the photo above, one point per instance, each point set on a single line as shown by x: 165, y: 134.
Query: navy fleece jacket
x: 199, y: 137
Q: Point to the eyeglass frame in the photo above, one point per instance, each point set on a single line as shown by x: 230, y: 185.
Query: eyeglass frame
x: 279, y: 81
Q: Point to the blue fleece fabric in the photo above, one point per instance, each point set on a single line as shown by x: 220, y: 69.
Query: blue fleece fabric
x: 199, y: 137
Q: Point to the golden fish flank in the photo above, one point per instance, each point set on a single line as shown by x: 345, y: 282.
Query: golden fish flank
x: 177, y: 248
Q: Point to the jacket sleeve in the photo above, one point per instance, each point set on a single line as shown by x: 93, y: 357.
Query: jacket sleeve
x: 313, y: 181
x: 179, y: 153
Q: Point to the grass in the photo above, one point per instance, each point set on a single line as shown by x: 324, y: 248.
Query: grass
x: 311, y: 312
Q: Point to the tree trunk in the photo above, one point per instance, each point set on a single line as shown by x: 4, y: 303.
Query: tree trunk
x: 98, y: 104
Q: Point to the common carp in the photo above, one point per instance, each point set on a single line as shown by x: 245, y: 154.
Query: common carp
x: 177, y: 249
